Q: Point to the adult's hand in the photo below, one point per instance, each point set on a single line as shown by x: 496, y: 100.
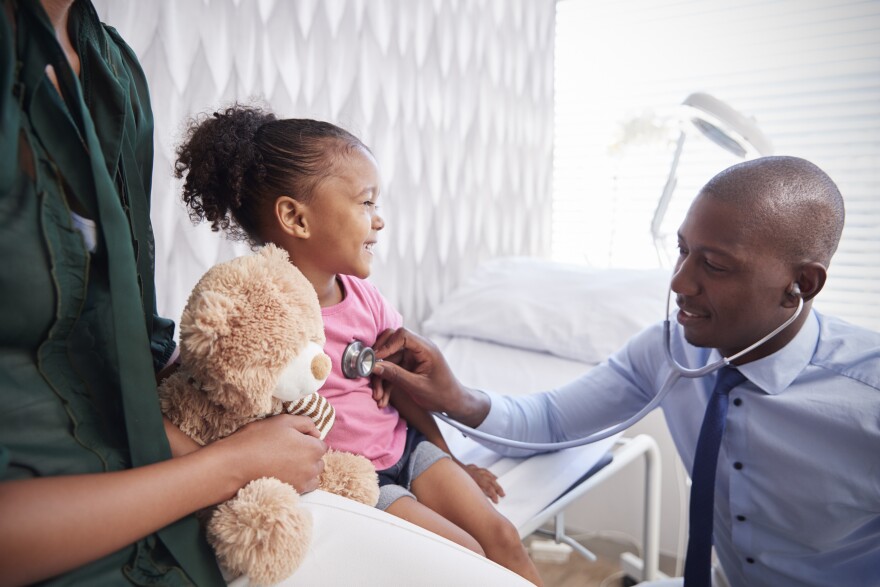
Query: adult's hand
x: 79, y: 518
x: 415, y: 365
x: 286, y: 447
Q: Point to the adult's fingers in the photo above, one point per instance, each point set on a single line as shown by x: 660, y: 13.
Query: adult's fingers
x: 395, y: 374
x: 381, y: 395
x: 390, y: 342
x: 304, y: 425
x: 312, y: 482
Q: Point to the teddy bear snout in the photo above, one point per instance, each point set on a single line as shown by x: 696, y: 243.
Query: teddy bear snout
x: 321, y: 366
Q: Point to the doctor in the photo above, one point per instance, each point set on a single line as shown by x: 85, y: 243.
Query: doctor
x: 783, y: 444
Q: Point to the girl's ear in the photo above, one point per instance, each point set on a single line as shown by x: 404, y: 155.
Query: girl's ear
x: 291, y: 218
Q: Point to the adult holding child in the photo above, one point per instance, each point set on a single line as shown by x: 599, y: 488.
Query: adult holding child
x: 89, y: 493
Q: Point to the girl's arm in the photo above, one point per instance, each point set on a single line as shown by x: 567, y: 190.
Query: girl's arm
x: 418, y: 418
x: 425, y: 423
x: 49, y: 525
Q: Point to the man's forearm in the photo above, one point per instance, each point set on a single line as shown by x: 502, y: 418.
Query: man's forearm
x: 471, y: 408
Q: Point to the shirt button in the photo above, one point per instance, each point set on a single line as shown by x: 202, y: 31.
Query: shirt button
x: 737, y: 465
x: 750, y: 560
x: 737, y: 401
x: 741, y: 518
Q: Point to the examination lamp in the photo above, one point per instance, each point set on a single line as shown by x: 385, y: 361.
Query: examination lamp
x: 724, y: 126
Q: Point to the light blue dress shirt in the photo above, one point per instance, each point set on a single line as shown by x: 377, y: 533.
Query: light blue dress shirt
x: 797, y: 495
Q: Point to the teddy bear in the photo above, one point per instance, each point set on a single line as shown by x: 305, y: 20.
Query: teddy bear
x: 251, y: 346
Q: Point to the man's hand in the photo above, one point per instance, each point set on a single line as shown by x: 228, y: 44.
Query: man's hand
x: 381, y: 392
x: 415, y: 365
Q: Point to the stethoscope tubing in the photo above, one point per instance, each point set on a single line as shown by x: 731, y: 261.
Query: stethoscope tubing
x: 552, y: 446
x: 678, y: 371
x: 712, y: 367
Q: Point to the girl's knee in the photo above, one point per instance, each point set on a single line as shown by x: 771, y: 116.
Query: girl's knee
x: 503, y: 532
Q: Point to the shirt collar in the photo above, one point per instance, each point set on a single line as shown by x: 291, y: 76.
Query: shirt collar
x: 774, y: 373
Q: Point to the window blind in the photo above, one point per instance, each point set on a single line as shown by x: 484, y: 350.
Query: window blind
x: 808, y: 71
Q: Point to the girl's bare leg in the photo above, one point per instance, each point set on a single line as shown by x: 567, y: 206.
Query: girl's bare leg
x: 448, y: 490
x: 424, y: 517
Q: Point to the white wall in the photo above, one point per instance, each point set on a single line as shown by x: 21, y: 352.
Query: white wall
x: 454, y: 97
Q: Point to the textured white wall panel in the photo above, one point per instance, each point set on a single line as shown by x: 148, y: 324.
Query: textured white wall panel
x: 454, y: 97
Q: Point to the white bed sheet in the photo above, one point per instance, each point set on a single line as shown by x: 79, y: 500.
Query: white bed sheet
x: 531, y: 483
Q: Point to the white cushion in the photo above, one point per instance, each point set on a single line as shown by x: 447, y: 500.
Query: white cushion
x: 353, y: 544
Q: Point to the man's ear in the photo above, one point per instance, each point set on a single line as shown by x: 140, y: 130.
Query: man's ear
x: 810, y: 279
x: 291, y: 218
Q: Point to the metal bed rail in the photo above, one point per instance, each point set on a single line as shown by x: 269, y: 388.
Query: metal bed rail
x: 625, y: 451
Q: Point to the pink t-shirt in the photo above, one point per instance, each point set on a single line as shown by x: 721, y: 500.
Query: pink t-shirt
x: 361, y: 427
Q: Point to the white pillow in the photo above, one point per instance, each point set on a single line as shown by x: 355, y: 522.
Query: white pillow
x: 570, y: 311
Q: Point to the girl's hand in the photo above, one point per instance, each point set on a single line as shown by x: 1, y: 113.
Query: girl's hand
x: 487, y: 481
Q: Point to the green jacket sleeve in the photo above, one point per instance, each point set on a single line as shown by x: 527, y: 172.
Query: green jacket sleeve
x: 139, y: 172
x: 9, y: 112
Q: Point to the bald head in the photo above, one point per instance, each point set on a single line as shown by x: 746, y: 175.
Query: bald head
x: 792, y: 205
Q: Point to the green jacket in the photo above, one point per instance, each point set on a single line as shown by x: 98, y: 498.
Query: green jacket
x: 80, y: 341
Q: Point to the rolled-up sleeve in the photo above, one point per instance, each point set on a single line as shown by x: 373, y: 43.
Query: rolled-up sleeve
x: 162, y: 342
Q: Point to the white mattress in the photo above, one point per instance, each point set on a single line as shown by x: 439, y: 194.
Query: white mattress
x: 519, y: 325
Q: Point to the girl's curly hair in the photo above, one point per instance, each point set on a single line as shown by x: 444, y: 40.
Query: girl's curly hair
x: 237, y: 161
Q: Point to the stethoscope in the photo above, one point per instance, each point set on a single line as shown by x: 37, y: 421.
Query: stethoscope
x: 358, y: 361
x: 678, y: 371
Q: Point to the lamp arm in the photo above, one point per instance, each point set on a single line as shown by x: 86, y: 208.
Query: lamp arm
x: 666, y: 196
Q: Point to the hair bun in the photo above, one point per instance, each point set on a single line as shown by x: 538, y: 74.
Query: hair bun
x: 220, y: 159
x: 236, y: 127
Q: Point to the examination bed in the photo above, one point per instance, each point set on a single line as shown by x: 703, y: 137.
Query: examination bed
x: 519, y: 325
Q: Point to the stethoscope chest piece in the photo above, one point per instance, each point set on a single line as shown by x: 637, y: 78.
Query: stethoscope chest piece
x: 357, y: 360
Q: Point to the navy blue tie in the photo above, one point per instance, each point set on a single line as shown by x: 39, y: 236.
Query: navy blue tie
x: 697, y: 568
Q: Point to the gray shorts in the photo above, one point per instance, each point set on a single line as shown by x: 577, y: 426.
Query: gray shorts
x: 418, y: 455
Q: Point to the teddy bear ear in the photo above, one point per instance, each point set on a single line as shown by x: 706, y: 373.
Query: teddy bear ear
x: 204, y: 321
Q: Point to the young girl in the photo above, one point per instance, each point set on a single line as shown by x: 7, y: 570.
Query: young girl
x: 311, y: 188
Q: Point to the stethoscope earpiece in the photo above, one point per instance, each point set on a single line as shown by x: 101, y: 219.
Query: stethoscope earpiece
x: 358, y: 360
